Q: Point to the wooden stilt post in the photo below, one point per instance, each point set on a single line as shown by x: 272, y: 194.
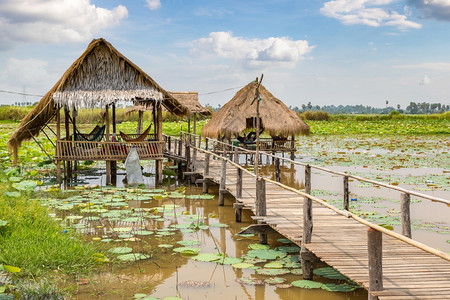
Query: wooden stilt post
x: 305, y: 254
x: 140, y: 122
x: 113, y: 162
x: 194, y: 151
x: 260, y: 205
x: 169, y: 143
x: 67, y: 127
x: 293, y: 147
x: 237, y: 205
x: 74, y: 119
x: 375, y: 249
x: 277, y: 170
x: 187, y: 152
x: 108, y: 165
x: 58, y: 145
x: 159, y: 162
x: 206, y: 143
x: 406, y: 215
x: 223, y: 180
x: 346, y: 193
x: 206, y: 173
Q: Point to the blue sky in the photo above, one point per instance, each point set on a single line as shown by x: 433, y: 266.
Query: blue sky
x: 326, y: 52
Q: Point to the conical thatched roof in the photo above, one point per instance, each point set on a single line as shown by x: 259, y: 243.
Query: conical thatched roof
x: 237, y: 115
x: 100, y: 76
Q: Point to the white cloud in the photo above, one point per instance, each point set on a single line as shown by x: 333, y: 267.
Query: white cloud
x: 435, y: 9
x: 367, y: 12
x: 54, y: 21
x: 153, y: 4
x: 253, y: 52
x: 425, y: 80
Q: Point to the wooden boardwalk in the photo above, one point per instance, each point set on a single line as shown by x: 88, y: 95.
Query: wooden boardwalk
x: 408, y: 272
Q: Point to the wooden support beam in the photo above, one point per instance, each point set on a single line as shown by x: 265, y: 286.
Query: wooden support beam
x: 140, y: 122
x: 108, y: 165
x: 223, y: 180
x: 406, y: 214
x: 159, y: 137
x: 260, y: 205
x: 308, y: 179
x: 206, y: 172
x: 194, y: 150
x: 68, y: 169
x: 307, y: 265
x: 375, y: 248
x: 346, y: 193
x: 277, y: 170
x: 293, y: 147
x: 57, y: 150
x: 239, y: 184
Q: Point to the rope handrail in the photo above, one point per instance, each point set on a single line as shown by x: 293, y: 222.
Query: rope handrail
x: 344, y: 213
x: 392, y: 187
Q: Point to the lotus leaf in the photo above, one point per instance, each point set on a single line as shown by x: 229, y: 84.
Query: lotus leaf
x: 218, y: 225
x: 12, y: 194
x: 143, y: 232
x: 165, y: 246
x: 289, y: 249
x: 258, y: 246
x: 15, y: 179
x: 208, y: 257
x: 121, y: 250
x: 189, y: 243
x: 308, y: 284
x: 275, y: 280
x: 3, y: 223
x: 297, y: 271
x: 273, y: 265
x: 284, y: 241
x: 230, y: 260
x: 26, y: 185
x: 245, y: 235
x: 133, y: 256
x: 292, y: 265
x: 125, y: 236
x: 122, y: 229
x: 74, y: 217
x: 272, y: 272
x: 131, y: 219
x: 249, y: 281
x: 345, y: 287
x: 329, y: 273
x: 243, y: 265
x: 187, y: 250
x: 266, y: 254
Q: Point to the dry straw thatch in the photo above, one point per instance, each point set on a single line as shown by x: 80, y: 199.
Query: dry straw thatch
x: 99, y: 77
x: 190, y: 100
x: 236, y: 115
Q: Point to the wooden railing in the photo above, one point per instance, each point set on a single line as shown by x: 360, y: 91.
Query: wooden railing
x: 77, y: 150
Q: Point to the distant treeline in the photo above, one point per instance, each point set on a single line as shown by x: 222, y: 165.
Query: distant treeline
x: 412, y: 108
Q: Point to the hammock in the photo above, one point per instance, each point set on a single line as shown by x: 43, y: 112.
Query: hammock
x: 139, y: 138
x: 96, y: 135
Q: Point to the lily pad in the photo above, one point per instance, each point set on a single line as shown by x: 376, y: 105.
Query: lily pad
x: 242, y: 265
x: 272, y: 272
x: 289, y: 249
x: 187, y: 250
x: 230, y: 260
x: 121, y: 250
x: 273, y: 265
x: 200, y: 197
x: 329, y: 273
x: 143, y: 232
x: 266, y: 254
x: 308, y: 284
x: 189, y: 243
x: 26, y: 185
x: 208, y: 257
x: 133, y: 256
x: 258, y: 246
x: 275, y: 280
x: 250, y: 281
x: 345, y: 287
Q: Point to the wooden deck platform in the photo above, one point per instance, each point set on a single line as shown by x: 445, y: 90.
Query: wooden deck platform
x: 408, y: 272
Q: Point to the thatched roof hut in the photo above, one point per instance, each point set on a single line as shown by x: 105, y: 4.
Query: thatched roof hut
x: 100, y: 76
x: 239, y: 114
x: 190, y: 100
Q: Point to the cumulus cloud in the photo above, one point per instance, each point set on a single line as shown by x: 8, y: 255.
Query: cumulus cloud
x: 253, y: 52
x: 373, y: 13
x: 434, y: 9
x: 54, y: 21
x: 153, y: 4
x: 425, y: 80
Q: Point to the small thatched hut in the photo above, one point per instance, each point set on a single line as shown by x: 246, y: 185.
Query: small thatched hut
x: 100, y: 77
x: 239, y: 114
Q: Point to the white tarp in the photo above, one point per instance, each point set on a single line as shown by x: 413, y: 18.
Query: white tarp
x: 133, y: 167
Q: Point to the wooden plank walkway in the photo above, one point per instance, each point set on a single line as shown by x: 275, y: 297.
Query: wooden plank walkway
x: 408, y: 272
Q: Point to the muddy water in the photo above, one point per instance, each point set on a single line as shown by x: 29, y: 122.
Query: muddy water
x: 168, y: 274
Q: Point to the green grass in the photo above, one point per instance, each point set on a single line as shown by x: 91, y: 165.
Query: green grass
x: 36, y: 242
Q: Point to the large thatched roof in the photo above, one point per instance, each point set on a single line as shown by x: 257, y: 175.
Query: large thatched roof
x: 238, y: 114
x: 100, y: 76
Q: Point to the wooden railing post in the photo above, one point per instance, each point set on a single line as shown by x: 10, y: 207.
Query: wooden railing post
x: 238, y: 206
x: 206, y: 143
x: 187, y: 151
x: 406, y: 215
x: 169, y: 143
x: 346, y: 194
x: 305, y: 254
x: 223, y: 180
x: 180, y: 149
x: 277, y: 170
x: 260, y: 205
x: 194, y: 143
x: 206, y: 173
x: 375, y: 249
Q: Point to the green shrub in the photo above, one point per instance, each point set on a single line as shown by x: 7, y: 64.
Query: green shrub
x: 13, y: 113
x: 316, y: 115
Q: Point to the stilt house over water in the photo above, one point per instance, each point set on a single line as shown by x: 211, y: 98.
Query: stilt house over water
x: 100, y: 78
